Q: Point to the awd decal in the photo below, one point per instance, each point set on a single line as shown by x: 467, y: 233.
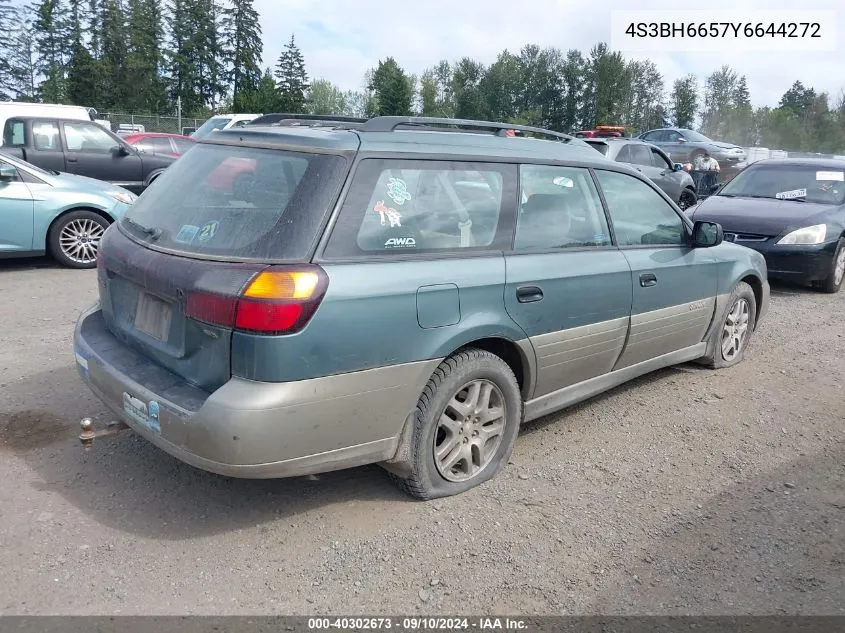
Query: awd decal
x: 398, y: 191
x: 400, y: 242
x: 388, y: 214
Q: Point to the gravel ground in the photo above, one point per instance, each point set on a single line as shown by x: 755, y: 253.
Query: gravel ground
x: 686, y: 492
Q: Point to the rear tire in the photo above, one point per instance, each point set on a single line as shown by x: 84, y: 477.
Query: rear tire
x: 466, y: 423
x: 833, y: 282
x: 74, y: 238
x: 730, y: 340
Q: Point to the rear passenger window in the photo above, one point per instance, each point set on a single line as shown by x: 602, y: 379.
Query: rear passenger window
x: 399, y: 206
x: 560, y: 208
x: 45, y: 136
x: 641, y: 217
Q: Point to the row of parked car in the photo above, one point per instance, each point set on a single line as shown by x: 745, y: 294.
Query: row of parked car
x: 73, y: 177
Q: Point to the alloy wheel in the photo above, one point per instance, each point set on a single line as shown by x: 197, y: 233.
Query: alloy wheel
x: 80, y: 240
x: 469, y: 431
x: 735, y: 330
x: 839, y: 267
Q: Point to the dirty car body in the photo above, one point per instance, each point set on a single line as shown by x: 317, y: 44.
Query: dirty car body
x: 396, y: 294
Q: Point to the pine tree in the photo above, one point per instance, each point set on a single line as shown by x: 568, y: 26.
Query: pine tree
x: 83, y: 86
x: 146, y: 93
x: 684, y: 100
x: 244, y: 48
x: 181, y: 68
x: 52, y: 36
x: 292, y: 80
x: 208, y: 47
x: 7, y: 14
x: 113, y: 58
x: 22, y: 58
x: 392, y: 88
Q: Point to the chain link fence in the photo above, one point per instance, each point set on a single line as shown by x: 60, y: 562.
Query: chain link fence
x: 119, y: 122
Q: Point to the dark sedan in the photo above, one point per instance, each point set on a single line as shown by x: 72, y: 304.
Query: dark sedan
x: 790, y: 210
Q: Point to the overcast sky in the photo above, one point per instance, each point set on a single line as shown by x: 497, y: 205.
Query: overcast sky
x: 341, y: 39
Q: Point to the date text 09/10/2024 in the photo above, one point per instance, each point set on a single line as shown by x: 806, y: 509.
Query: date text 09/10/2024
x: 418, y: 624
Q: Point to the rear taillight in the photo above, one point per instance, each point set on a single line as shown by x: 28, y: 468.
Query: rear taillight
x: 277, y: 300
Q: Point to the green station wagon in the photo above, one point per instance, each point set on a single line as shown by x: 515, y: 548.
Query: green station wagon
x: 402, y: 291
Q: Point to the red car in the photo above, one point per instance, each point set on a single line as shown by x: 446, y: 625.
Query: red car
x: 158, y: 143
x: 223, y: 179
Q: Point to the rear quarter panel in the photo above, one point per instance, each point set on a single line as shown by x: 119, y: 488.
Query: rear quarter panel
x: 371, y: 317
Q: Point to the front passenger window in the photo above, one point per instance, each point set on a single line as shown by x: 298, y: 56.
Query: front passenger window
x: 641, y: 217
x: 88, y: 137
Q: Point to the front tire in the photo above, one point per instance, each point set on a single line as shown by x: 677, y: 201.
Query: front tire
x: 687, y: 199
x: 74, y: 238
x: 833, y: 282
x: 466, y: 423
x: 731, y: 339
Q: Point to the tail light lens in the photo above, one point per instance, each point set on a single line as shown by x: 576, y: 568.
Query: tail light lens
x: 276, y: 300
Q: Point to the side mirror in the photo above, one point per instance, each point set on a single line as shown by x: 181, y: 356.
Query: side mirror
x: 707, y: 234
x: 716, y: 187
x: 677, y: 167
x: 7, y: 172
x: 122, y: 150
x: 680, y: 139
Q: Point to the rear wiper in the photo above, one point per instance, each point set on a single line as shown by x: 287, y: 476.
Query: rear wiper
x: 152, y: 232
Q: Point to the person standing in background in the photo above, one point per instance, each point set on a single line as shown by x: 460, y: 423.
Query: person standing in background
x: 708, y: 168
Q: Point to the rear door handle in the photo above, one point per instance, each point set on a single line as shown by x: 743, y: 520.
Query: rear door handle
x: 528, y: 294
x: 71, y: 159
x: 648, y: 279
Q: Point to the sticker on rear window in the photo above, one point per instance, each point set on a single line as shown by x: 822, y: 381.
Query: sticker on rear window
x: 398, y: 191
x: 187, y: 233
x: 563, y: 181
x: 830, y: 175
x: 791, y: 195
x: 208, y: 230
x: 388, y: 214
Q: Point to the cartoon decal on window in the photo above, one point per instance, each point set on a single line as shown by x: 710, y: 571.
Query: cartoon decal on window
x: 388, y: 214
x: 398, y: 191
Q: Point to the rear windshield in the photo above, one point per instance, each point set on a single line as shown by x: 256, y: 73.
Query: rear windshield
x: 238, y: 203
x: 599, y: 146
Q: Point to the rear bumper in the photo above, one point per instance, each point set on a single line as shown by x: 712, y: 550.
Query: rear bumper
x: 253, y: 429
x: 802, y: 264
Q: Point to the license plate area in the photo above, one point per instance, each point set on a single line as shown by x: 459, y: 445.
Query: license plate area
x: 141, y: 412
x: 153, y: 317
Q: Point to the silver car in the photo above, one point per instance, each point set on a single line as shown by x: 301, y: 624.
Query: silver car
x: 685, y: 145
x: 653, y: 163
